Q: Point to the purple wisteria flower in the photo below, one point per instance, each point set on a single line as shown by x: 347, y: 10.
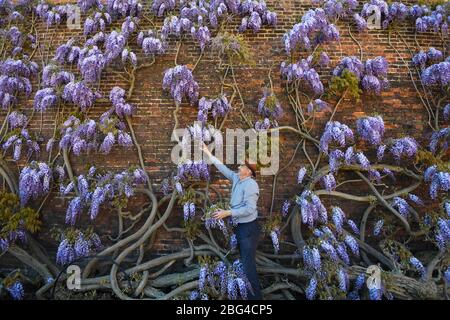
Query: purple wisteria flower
x: 380, y: 152
x: 439, y: 180
x: 123, y: 8
x: 193, y: 170
x: 313, y: 29
x: 437, y: 74
x: 285, y: 208
x: 180, y: 82
x: 17, y: 141
x: 218, y: 107
x: 418, y: 266
x: 371, y: 129
x: 75, y: 246
x: 353, y: 226
x: 44, y: 99
x: 406, y: 146
x: 301, y: 175
x: 159, y: 7
x: 352, y: 64
x: 266, y: 124
x: 352, y: 244
x: 311, y: 208
x: 275, y: 236
x: 334, y: 160
x: 117, y: 98
x: 80, y: 136
x: 342, y: 279
x: 16, y: 290
x: 150, y: 43
x: 440, y: 140
x: 401, y: 205
x: 338, y: 217
x: 317, y: 105
x: 80, y: 94
x: 329, y: 182
x: 335, y: 132
x: 432, y: 21
x: 255, y: 15
x: 34, y: 181
x: 329, y: 250
x: 269, y: 106
x: 415, y: 199
x: 311, y: 290
x: 302, y: 71
x: 361, y: 23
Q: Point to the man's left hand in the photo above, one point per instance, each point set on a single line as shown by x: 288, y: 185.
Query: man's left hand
x: 221, y: 214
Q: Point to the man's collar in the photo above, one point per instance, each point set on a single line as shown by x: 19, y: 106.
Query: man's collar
x: 245, y: 178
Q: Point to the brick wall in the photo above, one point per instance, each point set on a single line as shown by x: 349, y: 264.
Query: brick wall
x: 153, y: 123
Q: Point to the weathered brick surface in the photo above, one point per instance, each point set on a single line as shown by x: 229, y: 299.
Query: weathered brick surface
x: 153, y: 123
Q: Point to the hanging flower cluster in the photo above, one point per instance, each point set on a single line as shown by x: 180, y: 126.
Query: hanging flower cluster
x: 159, y: 7
x: 150, y: 43
x: 117, y: 98
x: 85, y: 5
x: 371, y: 129
x: 96, y: 22
x: 403, y: 147
x: 311, y: 208
x: 95, y: 189
x: 114, y: 130
x: 68, y: 53
x: 77, y: 135
x: 218, y: 108
x: 335, y: 132
x: 34, y: 181
x: 371, y: 75
x: 269, y: 106
x: 436, y: 20
x: 337, y: 8
x: 422, y: 58
x: 76, y: 245
x: 14, y: 80
x: 53, y: 76
x: 17, y: 140
x: 55, y: 15
x: 255, y: 14
x: 16, y: 290
x: 437, y: 74
x: 313, y: 29
x: 123, y: 8
x: 192, y: 170
x: 80, y: 94
x: 303, y: 71
x: 180, y: 82
x: 230, y: 282
x: 439, y: 180
x: 440, y: 140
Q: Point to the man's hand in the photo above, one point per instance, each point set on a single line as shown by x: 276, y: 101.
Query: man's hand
x: 221, y: 214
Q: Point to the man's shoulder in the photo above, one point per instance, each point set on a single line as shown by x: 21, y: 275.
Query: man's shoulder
x: 252, y: 182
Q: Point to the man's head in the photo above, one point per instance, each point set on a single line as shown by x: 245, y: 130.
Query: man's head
x: 247, y: 170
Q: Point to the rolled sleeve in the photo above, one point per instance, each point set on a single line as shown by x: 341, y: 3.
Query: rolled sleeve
x: 249, y: 203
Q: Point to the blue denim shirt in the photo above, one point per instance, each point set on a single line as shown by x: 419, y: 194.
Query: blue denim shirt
x: 244, y: 194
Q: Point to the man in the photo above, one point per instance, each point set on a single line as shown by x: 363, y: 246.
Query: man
x: 244, y: 196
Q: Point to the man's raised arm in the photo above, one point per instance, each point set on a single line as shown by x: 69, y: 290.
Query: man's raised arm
x: 229, y: 174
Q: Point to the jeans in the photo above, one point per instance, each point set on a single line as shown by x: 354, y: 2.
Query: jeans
x: 247, y: 235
